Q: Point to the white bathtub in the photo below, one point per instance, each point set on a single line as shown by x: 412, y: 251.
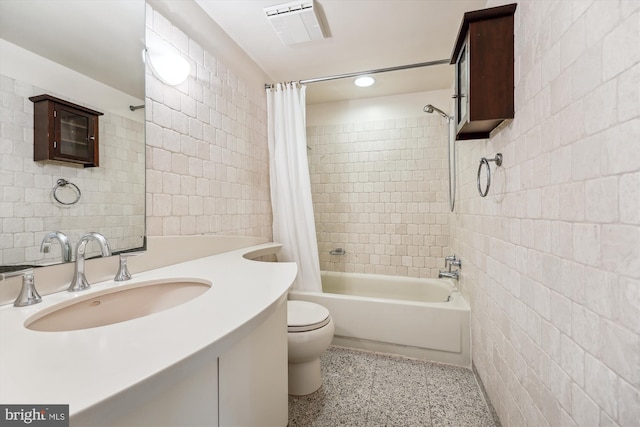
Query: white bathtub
x: 424, y: 318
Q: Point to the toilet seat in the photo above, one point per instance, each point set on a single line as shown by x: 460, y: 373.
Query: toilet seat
x: 303, y: 316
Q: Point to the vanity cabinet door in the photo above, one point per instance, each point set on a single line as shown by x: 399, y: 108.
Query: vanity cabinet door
x: 64, y: 132
x: 253, y: 376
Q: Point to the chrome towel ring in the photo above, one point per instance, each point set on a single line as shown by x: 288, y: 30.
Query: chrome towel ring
x: 61, y: 183
x: 484, y: 161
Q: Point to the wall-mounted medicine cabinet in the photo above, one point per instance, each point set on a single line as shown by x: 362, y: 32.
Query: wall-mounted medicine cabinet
x: 483, y: 57
x: 64, y: 132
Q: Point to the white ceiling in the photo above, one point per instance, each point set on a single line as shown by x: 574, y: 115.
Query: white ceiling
x: 362, y: 35
x: 102, y: 39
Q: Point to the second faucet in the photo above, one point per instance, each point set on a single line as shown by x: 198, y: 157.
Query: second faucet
x: 79, y: 281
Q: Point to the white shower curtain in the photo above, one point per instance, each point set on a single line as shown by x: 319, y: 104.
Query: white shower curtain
x: 293, y: 221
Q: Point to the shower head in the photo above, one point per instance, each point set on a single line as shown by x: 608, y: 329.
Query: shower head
x: 430, y: 109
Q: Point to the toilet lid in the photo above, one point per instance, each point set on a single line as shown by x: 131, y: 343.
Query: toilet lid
x: 306, y: 316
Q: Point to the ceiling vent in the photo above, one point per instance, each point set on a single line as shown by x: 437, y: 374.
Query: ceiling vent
x: 295, y: 22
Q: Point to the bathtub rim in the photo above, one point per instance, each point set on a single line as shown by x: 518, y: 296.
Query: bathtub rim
x: 457, y: 301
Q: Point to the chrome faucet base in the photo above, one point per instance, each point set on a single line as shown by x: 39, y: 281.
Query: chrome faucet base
x: 80, y: 283
x: 28, y: 294
x: 123, y: 272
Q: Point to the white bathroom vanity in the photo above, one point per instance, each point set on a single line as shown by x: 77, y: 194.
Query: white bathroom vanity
x: 218, y: 359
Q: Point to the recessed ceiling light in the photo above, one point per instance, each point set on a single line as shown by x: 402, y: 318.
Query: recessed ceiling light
x: 364, y: 81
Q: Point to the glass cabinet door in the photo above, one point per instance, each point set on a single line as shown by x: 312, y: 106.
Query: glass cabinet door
x: 74, y: 134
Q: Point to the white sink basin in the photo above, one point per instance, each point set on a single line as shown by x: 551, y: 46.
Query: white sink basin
x: 116, y: 305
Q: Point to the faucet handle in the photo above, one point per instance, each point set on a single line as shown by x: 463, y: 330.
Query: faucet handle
x: 7, y: 272
x: 449, y: 259
x: 123, y: 271
x: 28, y: 294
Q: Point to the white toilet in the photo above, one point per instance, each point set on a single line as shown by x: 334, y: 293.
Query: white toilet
x: 310, y: 331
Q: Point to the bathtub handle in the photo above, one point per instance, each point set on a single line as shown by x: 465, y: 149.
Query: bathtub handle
x: 452, y: 260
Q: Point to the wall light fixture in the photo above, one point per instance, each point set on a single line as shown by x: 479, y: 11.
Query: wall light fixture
x: 167, y: 64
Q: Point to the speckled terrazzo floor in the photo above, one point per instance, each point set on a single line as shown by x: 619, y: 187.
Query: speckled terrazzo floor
x: 370, y: 390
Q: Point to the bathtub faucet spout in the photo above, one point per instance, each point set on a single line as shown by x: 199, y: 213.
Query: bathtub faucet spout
x: 448, y: 274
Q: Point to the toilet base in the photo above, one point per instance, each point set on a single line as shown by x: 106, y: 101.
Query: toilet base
x: 304, y: 378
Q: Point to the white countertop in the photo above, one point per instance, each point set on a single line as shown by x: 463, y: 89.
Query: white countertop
x: 83, y: 368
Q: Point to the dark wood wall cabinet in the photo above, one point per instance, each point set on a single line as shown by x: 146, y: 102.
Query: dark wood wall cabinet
x: 64, y: 132
x: 483, y: 56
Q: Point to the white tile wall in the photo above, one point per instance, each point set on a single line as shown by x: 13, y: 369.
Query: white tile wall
x: 207, y: 159
x: 552, y: 264
x: 380, y: 192
x: 112, y: 201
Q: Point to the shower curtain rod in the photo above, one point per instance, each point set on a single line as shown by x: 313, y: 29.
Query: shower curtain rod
x: 363, y: 73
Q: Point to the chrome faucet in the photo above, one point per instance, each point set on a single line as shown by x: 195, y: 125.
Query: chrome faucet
x: 79, y: 281
x: 64, y: 243
x: 451, y: 260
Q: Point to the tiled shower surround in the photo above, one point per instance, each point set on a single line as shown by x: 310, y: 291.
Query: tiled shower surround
x: 380, y: 193
x: 207, y: 159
